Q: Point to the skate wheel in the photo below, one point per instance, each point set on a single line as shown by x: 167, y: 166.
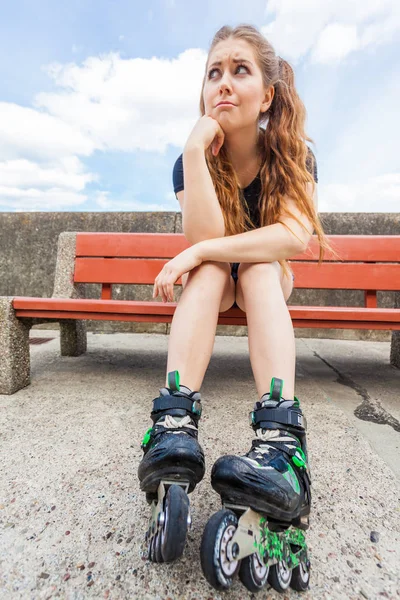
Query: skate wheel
x: 301, y: 577
x: 253, y: 573
x: 279, y: 576
x: 174, y: 530
x: 217, y: 568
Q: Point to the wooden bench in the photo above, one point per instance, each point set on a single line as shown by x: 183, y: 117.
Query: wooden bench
x: 369, y: 263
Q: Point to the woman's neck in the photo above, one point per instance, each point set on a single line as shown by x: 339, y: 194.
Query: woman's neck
x: 245, y: 154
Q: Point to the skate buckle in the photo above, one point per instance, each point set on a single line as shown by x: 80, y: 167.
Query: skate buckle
x: 197, y: 408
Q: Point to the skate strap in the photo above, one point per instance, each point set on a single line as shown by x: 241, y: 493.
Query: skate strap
x: 273, y: 417
x: 168, y: 402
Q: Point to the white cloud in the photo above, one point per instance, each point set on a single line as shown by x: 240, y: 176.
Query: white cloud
x: 27, y: 185
x: 31, y: 133
x: 334, y: 43
x: 68, y: 173
x: 373, y: 194
x: 107, y: 103
x: 129, y: 104
x: 332, y: 29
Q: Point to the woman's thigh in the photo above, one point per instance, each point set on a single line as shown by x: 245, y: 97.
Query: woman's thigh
x: 286, y: 281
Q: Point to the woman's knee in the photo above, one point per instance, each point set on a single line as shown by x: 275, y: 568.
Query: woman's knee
x: 214, y: 272
x: 262, y: 270
x: 253, y: 273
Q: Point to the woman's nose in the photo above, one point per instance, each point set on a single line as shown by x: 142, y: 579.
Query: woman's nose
x: 225, y: 84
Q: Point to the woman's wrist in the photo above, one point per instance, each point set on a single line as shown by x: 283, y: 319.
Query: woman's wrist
x: 193, y: 149
x: 200, y: 249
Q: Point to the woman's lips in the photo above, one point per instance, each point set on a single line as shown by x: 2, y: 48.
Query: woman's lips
x: 225, y: 104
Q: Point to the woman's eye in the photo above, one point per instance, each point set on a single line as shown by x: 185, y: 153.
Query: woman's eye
x: 238, y: 67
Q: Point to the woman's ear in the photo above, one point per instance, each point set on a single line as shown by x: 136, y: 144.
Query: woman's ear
x: 269, y: 96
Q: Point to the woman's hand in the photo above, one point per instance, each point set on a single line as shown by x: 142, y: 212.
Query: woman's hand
x: 173, y: 269
x: 206, y: 131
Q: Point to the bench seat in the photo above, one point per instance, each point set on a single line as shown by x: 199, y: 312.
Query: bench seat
x: 132, y: 310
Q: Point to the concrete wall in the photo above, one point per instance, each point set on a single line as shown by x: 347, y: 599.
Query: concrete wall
x: 28, y: 250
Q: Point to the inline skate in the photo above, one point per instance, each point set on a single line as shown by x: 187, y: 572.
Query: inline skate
x: 266, y: 496
x: 172, y: 465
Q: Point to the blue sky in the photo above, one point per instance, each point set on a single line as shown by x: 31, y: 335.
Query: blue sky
x: 97, y: 99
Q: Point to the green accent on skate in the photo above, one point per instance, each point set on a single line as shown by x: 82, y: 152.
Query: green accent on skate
x: 174, y: 381
x: 290, y: 476
x: 270, y: 544
x: 288, y: 546
x: 299, y: 458
x: 177, y: 380
x: 271, y: 389
x: 296, y: 402
x: 146, y: 438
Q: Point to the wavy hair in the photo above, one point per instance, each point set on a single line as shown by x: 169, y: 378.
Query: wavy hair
x: 282, y: 147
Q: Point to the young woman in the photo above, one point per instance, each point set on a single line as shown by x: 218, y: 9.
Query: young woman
x: 246, y: 183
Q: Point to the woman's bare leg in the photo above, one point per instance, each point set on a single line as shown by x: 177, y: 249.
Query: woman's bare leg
x: 262, y: 291
x: 209, y: 290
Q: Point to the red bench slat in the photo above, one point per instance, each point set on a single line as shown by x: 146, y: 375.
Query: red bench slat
x: 352, y: 276
x: 368, y: 248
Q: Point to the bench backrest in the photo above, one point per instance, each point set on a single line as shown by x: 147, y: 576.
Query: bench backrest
x: 368, y: 263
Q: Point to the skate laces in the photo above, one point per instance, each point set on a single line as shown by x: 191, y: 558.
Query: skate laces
x: 170, y: 422
x: 272, y: 434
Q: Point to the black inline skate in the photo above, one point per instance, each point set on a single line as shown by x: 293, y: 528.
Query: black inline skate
x: 172, y: 465
x: 266, y: 504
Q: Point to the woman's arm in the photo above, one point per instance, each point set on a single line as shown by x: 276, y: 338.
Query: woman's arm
x: 201, y: 215
x: 265, y: 244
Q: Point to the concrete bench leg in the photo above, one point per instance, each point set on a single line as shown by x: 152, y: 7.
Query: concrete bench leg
x: 14, y: 350
x: 73, y: 338
x: 395, y: 345
x: 395, y: 349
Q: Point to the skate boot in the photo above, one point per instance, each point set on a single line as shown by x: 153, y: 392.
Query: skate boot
x: 172, y: 465
x: 266, y: 500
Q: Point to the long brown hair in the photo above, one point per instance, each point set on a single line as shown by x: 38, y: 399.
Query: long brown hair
x: 282, y: 146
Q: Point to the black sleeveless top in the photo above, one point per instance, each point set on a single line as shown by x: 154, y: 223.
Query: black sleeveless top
x: 252, y: 192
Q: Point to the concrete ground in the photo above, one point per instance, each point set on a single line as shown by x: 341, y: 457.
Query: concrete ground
x: 72, y: 516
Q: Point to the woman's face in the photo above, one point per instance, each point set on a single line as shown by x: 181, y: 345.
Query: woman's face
x: 237, y: 82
